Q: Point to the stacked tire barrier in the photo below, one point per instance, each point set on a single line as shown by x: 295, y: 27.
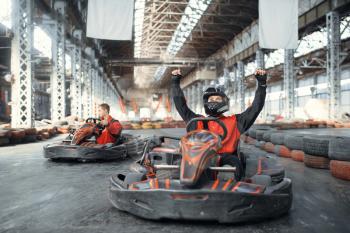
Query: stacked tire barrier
x: 316, y: 151
x: 339, y: 154
x: 152, y: 125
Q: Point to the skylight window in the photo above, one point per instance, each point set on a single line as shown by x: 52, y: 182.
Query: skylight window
x: 138, y: 22
x: 189, y: 20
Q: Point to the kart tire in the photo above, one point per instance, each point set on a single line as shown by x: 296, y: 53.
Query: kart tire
x: 294, y: 141
x: 316, y: 145
x: 340, y: 169
x: 339, y: 148
x: 316, y: 161
x: 234, y: 161
x: 277, y: 138
x: 297, y: 155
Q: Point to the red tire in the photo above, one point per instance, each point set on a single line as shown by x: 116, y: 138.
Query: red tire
x: 30, y: 131
x: 340, y: 169
x: 316, y: 161
x: 284, y: 151
x: 18, y: 134
x: 45, y: 135
x: 297, y: 155
x: 251, y: 140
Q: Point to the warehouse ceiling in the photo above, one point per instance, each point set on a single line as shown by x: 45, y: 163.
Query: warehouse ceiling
x: 220, y: 22
x: 216, y: 24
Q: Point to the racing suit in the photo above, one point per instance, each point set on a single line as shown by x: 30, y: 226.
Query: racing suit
x: 111, y: 132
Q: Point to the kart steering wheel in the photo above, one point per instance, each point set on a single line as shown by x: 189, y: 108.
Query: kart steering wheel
x: 92, y: 120
x: 96, y: 121
x: 207, y: 119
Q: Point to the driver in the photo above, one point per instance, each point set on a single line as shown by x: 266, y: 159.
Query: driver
x: 216, y: 103
x: 112, y: 128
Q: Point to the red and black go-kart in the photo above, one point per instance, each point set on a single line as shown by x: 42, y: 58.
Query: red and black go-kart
x: 183, y: 183
x: 87, y: 149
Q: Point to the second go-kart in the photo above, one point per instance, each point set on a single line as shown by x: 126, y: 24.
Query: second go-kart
x: 88, y: 150
x: 189, y: 183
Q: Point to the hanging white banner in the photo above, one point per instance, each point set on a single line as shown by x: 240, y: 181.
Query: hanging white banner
x: 110, y: 19
x: 278, y: 24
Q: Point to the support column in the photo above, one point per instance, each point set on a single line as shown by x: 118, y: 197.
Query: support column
x: 199, y: 97
x: 260, y: 59
x: 333, y: 66
x: 288, y: 81
x: 58, y: 93
x: 260, y: 63
x: 22, y: 107
x: 87, y: 88
x: 76, y: 73
x: 241, y: 87
x: 193, y: 96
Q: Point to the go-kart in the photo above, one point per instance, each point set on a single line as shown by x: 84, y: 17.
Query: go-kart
x: 88, y: 150
x: 189, y: 183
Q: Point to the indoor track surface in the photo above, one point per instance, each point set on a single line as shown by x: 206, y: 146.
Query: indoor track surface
x: 37, y: 195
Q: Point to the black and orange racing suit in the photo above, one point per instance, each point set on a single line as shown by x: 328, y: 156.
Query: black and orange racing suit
x: 236, y: 124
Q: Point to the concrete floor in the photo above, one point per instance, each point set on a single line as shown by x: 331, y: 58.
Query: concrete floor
x: 38, y: 196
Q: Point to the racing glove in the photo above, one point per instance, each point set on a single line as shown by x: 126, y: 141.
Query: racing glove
x: 261, y: 79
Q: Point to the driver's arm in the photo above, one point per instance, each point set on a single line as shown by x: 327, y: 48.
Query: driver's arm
x: 179, y: 99
x: 248, y: 117
x: 114, y: 127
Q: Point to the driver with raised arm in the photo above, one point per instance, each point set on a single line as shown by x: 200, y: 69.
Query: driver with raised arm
x: 216, y: 103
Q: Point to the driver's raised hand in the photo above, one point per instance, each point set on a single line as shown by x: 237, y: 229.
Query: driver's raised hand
x: 176, y: 72
x: 260, y: 75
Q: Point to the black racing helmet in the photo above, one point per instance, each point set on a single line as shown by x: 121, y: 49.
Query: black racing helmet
x: 215, y: 108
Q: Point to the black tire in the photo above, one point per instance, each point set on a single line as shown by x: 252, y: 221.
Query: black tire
x: 294, y: 141
x: 30, y: 138
x: 259, y: 134
x: 234, y: 161
x: 267, y: 136
x: 252, y: 133
x: 316, y: 145
x: 339, y: 148
x: 4, y: 141
x: 277, y: 138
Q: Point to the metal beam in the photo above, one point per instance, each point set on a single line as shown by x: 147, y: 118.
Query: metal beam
x: 58, y: 87
x: 22, y: 107
x: 289, y: 80
x: 241, y: 87
x: 333, y: 63
x: 76, y: 73
x: 153, y: 61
